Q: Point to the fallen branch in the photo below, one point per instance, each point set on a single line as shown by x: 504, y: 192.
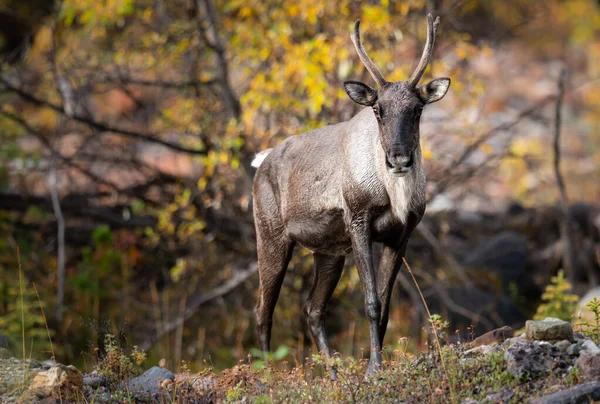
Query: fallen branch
x: 197, y: 301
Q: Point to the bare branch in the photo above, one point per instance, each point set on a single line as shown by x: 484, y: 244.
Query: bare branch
x: 214, y: 41
x: 60, y: 239
x: 566, y: 234
x: 99, y: 125
x: 197, y: 301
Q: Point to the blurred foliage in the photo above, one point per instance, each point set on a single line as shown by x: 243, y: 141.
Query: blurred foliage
x: 153, y: 70
x: 559, y: 301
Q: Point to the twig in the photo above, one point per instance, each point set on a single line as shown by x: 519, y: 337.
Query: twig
x: 565, y: 227
x: 437, y: 339
x: 60, y: 222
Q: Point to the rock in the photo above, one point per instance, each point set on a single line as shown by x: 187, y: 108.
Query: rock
x: 59, y: 382
x: 583, y: 346
x: 500, y: 397
x: 511, y: 341
x: 527, y: 358
x: 582, y: 393
x: 5, y: 353
x: 149, y: 383
x: 563, y: 345
x: 493, y: 337
x: 589, y: 365
x: 162, y: 363
x: 549, y: 329
x: 589, y: 347
x: 94, y: 381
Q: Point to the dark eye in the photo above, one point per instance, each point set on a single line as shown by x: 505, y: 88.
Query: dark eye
x: 378, y: 112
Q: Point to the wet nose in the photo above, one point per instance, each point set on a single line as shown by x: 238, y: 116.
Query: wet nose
x: 400, y: 161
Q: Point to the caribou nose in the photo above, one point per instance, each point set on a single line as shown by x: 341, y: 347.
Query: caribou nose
x: 400, y: 161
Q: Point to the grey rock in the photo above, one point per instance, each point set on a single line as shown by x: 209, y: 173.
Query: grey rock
x: 94, y: 381
x: 149, y: 383
x: 500, y: 397
x: 589, y: 347
x: 589, y: 365
x: 549, y: 329
x: 580, y: 394
x: 583, y: 346
x: 563, y: 345
x: 527, y: 359
x: 511, y: 341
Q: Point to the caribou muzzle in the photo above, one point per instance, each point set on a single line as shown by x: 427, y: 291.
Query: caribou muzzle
x: 400, y: 165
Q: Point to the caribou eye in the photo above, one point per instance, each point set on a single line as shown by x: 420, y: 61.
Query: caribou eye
x: 417, y: 115
x: 377, y: 112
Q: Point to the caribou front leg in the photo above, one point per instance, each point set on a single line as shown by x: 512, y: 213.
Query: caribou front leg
x: 363, y: 255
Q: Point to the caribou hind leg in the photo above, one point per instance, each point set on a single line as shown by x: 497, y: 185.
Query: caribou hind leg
x: 328, y: 270
x: 273, y: 260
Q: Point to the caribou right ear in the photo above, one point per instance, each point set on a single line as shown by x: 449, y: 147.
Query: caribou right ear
x: 361, y: 93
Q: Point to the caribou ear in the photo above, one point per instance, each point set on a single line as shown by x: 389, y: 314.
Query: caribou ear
x: 435, y: 90
x: 361, y: 93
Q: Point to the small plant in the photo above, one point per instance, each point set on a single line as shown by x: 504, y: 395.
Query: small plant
x: 116, y: 365
x: 439, y: 325
x: 263, y: 358
x: 558, y: 300
x: 591, y: 329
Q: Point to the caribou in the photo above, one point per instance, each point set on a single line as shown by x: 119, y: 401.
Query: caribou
x: 342, y: 188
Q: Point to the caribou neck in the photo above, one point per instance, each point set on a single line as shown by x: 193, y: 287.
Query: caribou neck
x: 406, y: 194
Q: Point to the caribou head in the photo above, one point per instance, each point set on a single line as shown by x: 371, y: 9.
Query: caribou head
x: 398, y: 105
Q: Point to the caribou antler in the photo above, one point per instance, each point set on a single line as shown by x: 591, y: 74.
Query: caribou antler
x: 362, y: 54
x: 432, y: 28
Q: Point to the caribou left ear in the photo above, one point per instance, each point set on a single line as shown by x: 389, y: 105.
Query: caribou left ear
x: 435, y: 90
x: 361, y: 93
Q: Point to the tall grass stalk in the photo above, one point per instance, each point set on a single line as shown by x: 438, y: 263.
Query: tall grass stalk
x: 22, y: 308
x: 435, y: 333
x: 45, y: 322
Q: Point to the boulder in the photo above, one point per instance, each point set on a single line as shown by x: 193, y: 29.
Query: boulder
x: 549, y: 329
x: 501, y: 397
x: 505, y: 255
x: 589, y: 365
x: 151, y: 381
x: 63, y: 383
x: 527, y: 358
x: 582, y: 393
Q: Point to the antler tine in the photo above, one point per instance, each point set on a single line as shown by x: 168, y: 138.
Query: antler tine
x: 432, y: 28
x: 362, y: 54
